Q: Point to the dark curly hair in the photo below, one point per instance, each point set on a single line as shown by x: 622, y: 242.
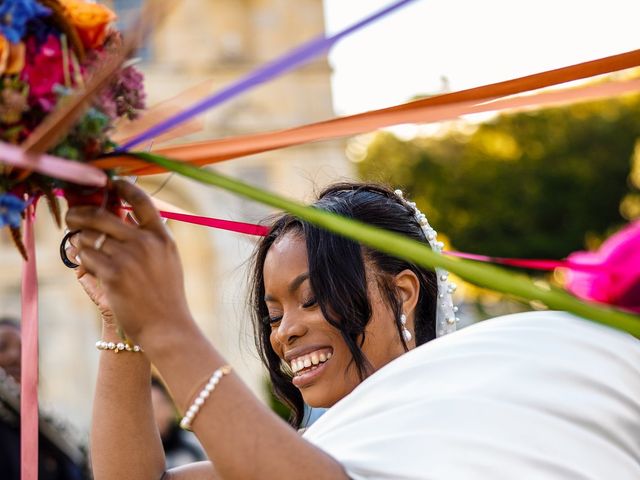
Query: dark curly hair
x: 340, y: 287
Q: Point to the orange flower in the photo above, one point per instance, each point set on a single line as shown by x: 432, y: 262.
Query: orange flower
x: 11, y: 56
x: 90, y: 19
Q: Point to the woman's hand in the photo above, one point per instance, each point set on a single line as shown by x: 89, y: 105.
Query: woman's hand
x: 91, y: 285
x: 136, y: 266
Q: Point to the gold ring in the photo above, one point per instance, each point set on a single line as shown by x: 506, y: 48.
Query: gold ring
x: 97, y: 245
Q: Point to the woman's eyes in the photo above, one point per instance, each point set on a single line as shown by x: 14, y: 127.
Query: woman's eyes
x: 269, y: 320
x: 272, y: 320
x: 309, y: 303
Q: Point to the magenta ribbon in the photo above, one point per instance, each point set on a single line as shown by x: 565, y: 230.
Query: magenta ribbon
x: 288, y: 61
x: 261, y: 230
x: 238, y: 227
x: 533, y: 264
x: 29, y: 356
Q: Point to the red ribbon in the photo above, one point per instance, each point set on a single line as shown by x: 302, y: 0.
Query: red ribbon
x: 29, y: 356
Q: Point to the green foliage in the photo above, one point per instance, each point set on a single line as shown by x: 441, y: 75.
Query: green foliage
x: 534, y: 184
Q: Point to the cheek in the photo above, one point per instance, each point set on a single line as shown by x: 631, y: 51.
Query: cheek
x: 275, y: 344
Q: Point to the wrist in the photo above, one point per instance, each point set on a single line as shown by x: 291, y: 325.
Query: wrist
x: 161, y: 341
x: 110, y: 332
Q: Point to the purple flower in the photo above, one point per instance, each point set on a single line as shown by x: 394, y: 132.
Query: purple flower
x: 11, y: 208
x: 15, y: 14
x: 128, y: 93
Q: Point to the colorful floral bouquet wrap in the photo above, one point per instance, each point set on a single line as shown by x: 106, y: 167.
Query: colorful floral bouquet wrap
x: 48, y: 49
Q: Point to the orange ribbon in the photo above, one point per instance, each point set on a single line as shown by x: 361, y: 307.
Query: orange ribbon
x: 432, y: 109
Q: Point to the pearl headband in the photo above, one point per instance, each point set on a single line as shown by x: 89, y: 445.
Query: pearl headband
x: 446, y: 319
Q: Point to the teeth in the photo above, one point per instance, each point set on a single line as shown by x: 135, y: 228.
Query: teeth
x: 311, y: 361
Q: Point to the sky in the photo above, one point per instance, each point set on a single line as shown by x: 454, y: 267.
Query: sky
x: 468, y: 43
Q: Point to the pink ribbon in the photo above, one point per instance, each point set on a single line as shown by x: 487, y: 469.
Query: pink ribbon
x: 533, y: 264
x: 261, y: 230
x: 238, y: 227
x: 76, y: 172
x: 29, y: 356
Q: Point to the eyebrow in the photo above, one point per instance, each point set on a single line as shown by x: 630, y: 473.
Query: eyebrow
x: 293, y: 286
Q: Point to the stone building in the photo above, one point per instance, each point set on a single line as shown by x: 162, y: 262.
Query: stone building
x: 217, y: 40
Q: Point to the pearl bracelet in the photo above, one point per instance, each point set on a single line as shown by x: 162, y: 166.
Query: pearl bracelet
x: 118, y: 347
x: 193, y: 410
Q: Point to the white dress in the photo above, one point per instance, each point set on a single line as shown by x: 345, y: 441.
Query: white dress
x: 541, y: 395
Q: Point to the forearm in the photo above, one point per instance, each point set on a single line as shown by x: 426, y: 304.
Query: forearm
x: 125, y: 442
x: 241, y: 436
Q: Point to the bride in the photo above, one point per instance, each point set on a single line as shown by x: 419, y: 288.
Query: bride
x: 538, y: 395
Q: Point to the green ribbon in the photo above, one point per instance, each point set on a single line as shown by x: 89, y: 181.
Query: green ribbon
x: 486, y: 276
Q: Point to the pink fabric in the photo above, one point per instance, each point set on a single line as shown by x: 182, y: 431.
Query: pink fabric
x: 29, y: 379
x: 617, y: 281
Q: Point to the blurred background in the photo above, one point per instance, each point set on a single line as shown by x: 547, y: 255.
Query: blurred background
x: 536, y: 184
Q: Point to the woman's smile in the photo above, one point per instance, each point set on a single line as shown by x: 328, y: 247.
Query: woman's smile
x: 308, y: 367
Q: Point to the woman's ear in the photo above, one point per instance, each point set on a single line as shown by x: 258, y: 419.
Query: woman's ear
x: 408, y: 287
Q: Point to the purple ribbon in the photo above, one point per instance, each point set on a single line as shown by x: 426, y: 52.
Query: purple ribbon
x: 289, y: 61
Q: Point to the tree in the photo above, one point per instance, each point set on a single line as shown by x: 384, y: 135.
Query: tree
x: 536, y: 184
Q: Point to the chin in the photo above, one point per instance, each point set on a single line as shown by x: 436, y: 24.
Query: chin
x: 323, y: 394
x: 317, y: 399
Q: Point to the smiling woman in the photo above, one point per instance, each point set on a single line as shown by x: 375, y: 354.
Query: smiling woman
x: 303, y: 315
x: 538, y: 395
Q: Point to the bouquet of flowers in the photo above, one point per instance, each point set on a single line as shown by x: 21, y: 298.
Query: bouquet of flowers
x: 48, y: 50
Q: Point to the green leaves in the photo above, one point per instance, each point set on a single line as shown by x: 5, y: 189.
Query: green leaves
x: 535, y: 184
x: 486, y: 276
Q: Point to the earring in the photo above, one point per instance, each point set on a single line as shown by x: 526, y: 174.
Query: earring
x: 405, y: 331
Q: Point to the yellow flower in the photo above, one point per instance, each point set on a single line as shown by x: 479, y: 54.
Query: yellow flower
x: 91, y: 20
x: 11, y: 56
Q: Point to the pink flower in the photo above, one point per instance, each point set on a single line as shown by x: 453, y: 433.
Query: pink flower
x: 43, y: 71
x: 616, y: 277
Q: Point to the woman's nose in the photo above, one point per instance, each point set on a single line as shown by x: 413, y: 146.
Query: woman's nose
x: 291, y: 327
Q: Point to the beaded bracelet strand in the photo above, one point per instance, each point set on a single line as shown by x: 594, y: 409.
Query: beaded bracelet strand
x: 208, y: 389
x: 118, y: 347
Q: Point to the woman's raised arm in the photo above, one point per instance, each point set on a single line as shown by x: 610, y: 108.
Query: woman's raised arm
x: 140, y: 271
x: 125, y: 442
x: 123, y: 418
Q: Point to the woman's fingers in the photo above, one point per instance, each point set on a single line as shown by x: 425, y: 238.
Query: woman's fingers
x: 71, y: 248
x: 98, y: 264
x: 98, y: 219
x: 98, y: 241
x: 146, y: 214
